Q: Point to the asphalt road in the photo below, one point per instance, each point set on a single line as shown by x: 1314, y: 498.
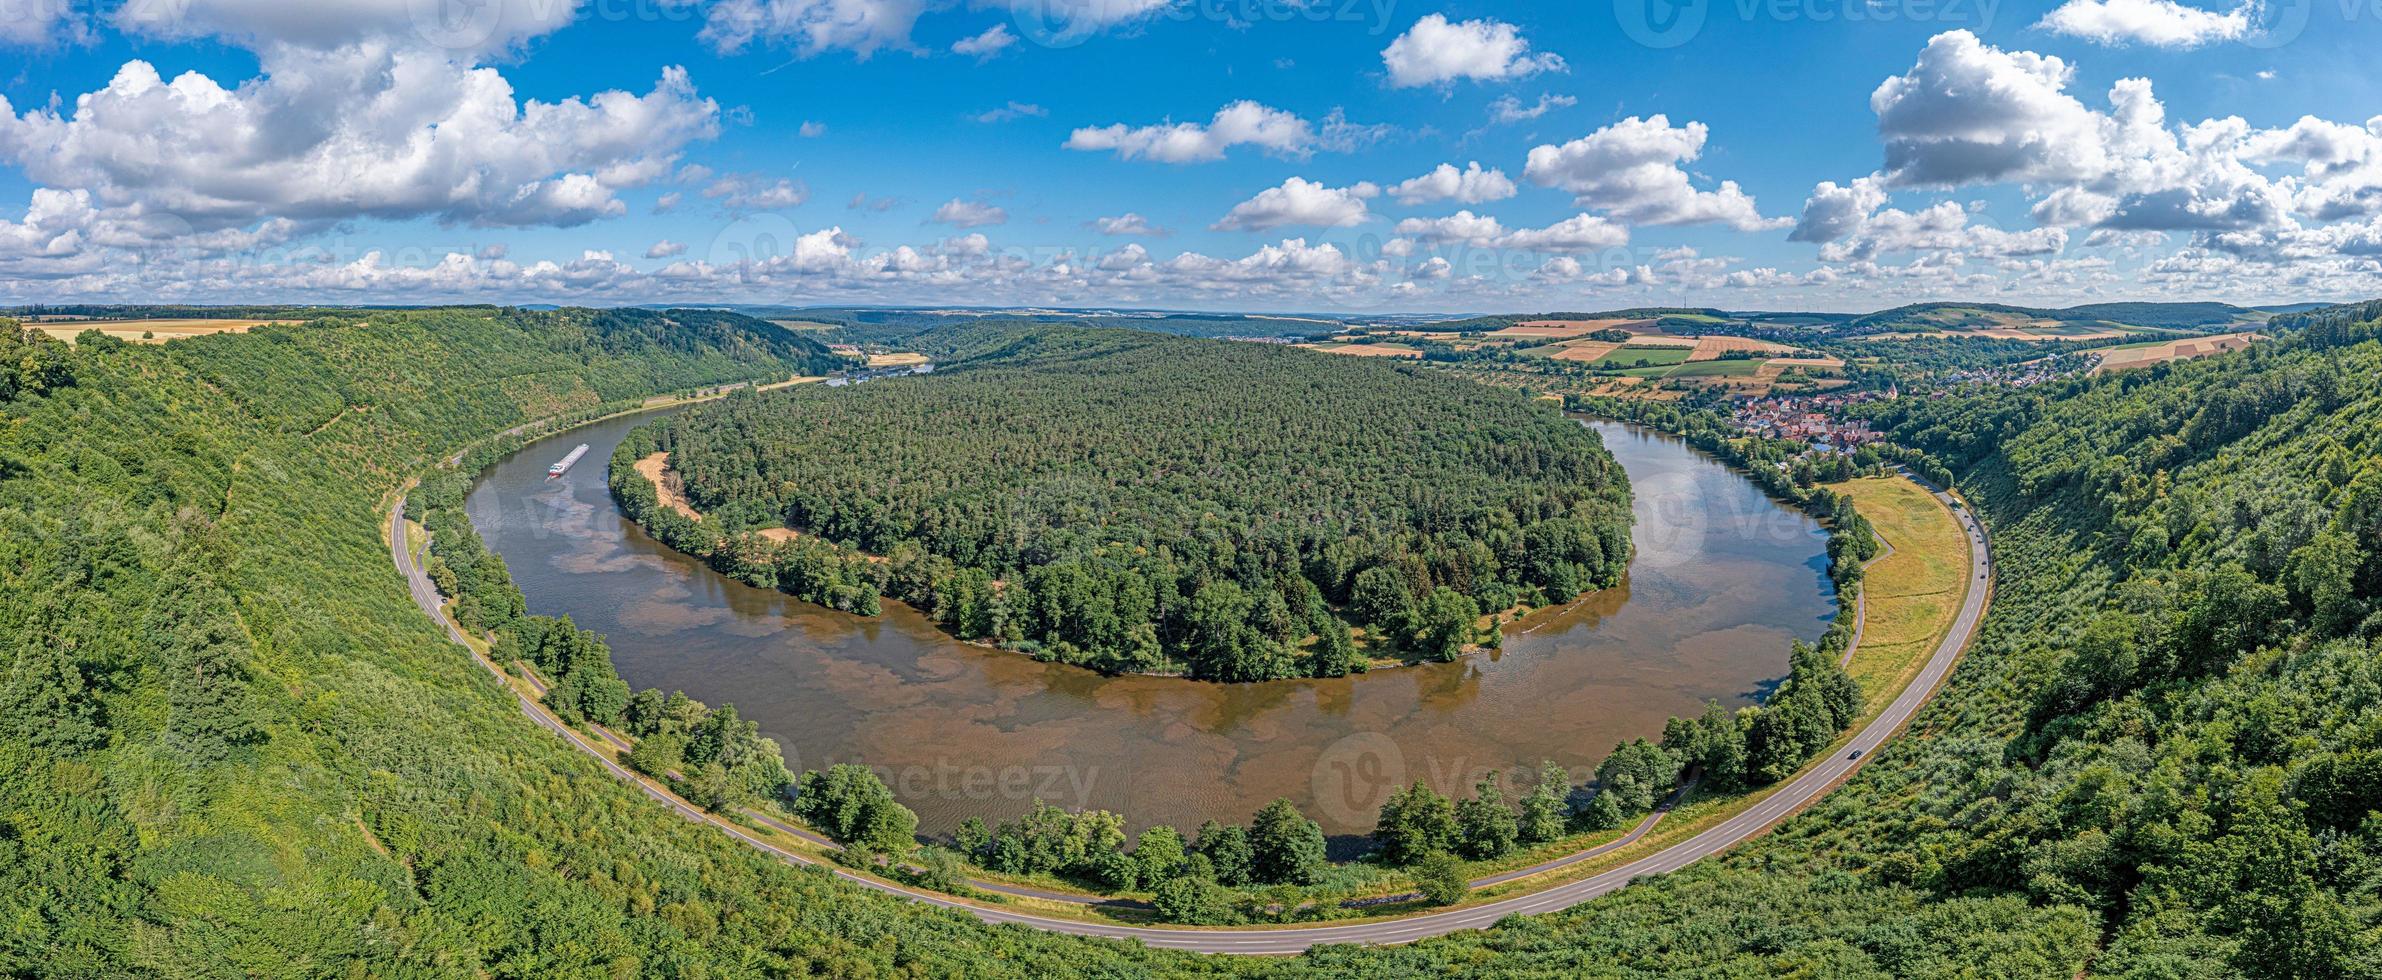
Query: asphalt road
x: 1791, y: 796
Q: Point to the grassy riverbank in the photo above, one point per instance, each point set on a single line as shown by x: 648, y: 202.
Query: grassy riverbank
x: 1912, y: 592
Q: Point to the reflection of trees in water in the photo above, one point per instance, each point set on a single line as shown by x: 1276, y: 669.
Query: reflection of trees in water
x: 1444, y: 689
x: 1583, y: 613
x: 896, y: 691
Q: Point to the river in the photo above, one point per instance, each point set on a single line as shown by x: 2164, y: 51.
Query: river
x: 1723, y: 580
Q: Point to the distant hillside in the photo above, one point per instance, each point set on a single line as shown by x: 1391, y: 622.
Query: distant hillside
x: 158, y: 311
x: 1642, y: 313
x: 2076, y: 322
x: 895, y: 327
x: 2282, y: 308
x: 2335, y: 321
x: 2181, y: 316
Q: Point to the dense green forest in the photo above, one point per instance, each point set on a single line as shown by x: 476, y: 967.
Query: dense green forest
x: 2201, y: 551
x: 233, y: 746
x: 1135, y: 501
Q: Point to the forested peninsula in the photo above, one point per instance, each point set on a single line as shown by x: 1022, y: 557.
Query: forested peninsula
x: 1132, y: 501
x: 234, y: 746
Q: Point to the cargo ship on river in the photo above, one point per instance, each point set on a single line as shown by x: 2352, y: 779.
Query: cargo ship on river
x: 564, y: 464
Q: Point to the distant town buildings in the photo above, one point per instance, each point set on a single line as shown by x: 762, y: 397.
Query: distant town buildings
x: 877, y: 374
x: 2024, y: 375
x: 1815, y: 419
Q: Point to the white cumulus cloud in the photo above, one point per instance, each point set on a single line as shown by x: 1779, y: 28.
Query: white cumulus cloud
x: 1578, y: 233
x: 969, y: 214
x: 360, y: 131
x: 1128, y: 223
x: 863, y: 27
x: 1462, y: 226
x: 1436, y: 51
x: 460, y: 30
x: 1967, y: 112
x: 1508, y: 109
x: 753, y: 192
x: 1243, y: 123
x: 993, y: 41
x: 2159, y: 23
x: 1631, y: 169
x: 1471, y: 185
x: 1300, y: 201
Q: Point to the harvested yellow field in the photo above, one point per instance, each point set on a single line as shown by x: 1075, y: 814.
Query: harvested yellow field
x: 150, y: 331
x: 1372, y: 350
x: 1778, y: 365
x: 1585, y: 350
x: 1561, y: 329
x: 900, y: 359
x: 2029, y: 333
x: 1710, y: 348
x: 2124, y: 358
x: 1914, y: 591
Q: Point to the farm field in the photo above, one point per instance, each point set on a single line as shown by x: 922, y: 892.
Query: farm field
x: 149, y: 331
x: 2128, y: 356
x: 1636, y: 368
x: 2055, y: 332
x: 1736, y: 368
x: 1712, y: 347
x: 1642, y: 356
x: 1564, y: 329
x: 1645, y: 357
x: 1366, y: 350
x: 1578, y: 350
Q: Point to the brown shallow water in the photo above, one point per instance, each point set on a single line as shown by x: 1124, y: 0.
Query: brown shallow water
x: 1723, y: 580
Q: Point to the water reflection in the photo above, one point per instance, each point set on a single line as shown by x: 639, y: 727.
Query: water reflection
x: 1724, y: 580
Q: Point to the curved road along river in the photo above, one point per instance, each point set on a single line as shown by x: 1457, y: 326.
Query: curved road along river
x: 1809, y: 785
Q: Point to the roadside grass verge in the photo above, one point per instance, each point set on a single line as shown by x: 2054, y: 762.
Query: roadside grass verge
x: 1913, y: 594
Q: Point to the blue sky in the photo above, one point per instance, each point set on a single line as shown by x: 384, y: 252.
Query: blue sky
x: 1795, y: 154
